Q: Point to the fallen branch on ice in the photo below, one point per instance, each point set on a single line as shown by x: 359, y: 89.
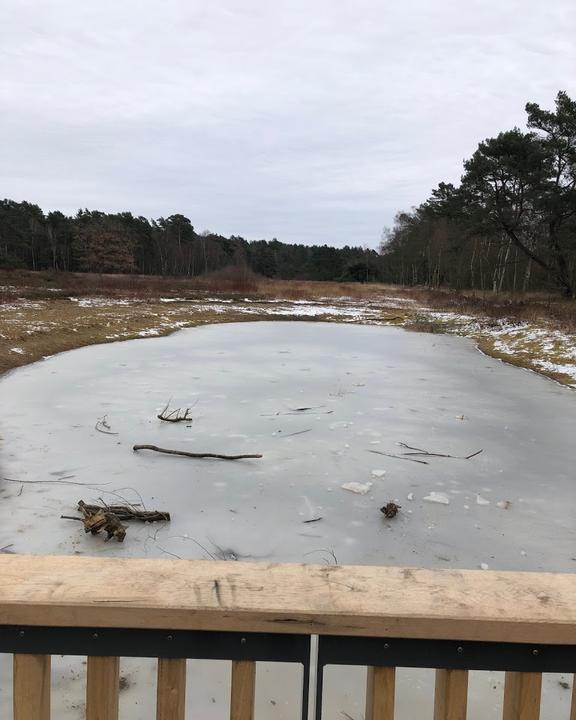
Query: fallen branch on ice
x: 426, y: 453
x: 175, y: 416
x: 216, y: 456
x: 103, y: 426
x: 107, y: 518
x: 398, y: 457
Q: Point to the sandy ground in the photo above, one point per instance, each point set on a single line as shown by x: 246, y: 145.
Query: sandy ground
x: 34, y: 329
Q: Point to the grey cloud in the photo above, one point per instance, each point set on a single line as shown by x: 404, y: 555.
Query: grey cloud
x: 310, y: 122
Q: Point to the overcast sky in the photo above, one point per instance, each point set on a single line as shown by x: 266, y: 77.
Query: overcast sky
x: 307, y: 120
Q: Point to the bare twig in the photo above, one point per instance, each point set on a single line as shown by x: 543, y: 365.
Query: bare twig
x: 126, y: 512
x: 103, y: 426
x: 300, y: 411
x: 299, y: 432
x: 312, y: 520
x: 175, y: 416
x: 217, y: 456
x: 398, y: 457
x: 427, y: 453
x: 57, y: 482
x: 329, y: 551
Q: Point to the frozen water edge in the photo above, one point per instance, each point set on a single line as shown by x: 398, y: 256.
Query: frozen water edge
x: 363, y: 385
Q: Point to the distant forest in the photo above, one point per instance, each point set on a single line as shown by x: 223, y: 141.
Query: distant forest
x: 509, y: 225
x: 93, y: 241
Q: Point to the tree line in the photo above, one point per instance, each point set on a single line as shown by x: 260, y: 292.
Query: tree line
x: 510, y: 223
x: 94, y: 241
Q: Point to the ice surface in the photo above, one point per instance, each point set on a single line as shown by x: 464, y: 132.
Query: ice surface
x: 245, y: 382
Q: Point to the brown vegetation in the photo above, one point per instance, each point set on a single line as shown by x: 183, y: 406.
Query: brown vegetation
x: 38, y: 318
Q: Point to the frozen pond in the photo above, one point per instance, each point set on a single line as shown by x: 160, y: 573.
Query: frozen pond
x: 366, y: 389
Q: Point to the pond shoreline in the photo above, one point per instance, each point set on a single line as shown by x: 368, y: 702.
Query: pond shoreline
x: 32, y: 330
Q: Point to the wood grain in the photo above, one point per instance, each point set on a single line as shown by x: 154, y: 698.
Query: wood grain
x: 380, y: 693
x: 31, y: 695
x: 102, y: 688
x: 243, y: 690
x: 267, y: 597
x: 522, y: 693
x: 171, y: 690
x: 451, y: 696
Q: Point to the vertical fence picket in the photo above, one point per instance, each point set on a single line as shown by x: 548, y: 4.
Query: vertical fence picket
x: 451, y: 695
x: 522, y: 692
x: 380, y: 693
x: 102, y: 688
x: 31, y: 694
x: 171, y: 690
x: 243, y: 690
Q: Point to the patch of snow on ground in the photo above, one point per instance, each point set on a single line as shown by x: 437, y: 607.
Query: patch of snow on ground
x: 102, y: 301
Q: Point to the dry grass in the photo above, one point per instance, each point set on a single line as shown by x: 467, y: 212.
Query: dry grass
x: 37, y: 317
x: 230, y: 281
x: 34, y: 330
x: 535, y: 308
x: 237, y: 281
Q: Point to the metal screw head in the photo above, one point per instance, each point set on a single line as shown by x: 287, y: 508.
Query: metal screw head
x: 386, y: 646
x: 169, y: 637
x: 535, y: 652
x: 243, y: 641
x: 95, y: 636
x: 21, y: 633
x: 460, y: 649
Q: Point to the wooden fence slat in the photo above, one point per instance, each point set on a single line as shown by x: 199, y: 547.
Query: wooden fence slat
x: 573, y: 708
x: 380, y: 693
x: 522, y: 693
x: 171, y: 690
x: 31, y: 698
x: 102, y: 688
x: 451, y: 696
x: 243, y: 690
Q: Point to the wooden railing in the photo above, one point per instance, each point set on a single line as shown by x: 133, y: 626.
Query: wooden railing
x: 382, y: 618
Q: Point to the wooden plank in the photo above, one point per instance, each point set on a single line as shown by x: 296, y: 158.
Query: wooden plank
x: 171, y: 690
x: 522, y: 693
x: 380, y: 693
x: 451, y: 696
x: 102, y: 688
x: 243, y: 690
x: 267, y: 597
x: 31, y: 694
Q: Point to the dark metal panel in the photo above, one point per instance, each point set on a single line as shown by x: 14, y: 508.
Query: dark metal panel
x: 197, y: 644
x: 448, y: 654
x: 444, y: 654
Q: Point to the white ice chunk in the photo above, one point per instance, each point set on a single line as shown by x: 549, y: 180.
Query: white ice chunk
x: 484, y: 566
x: 378, y: 473
x: 358, y: 488
x: 481, y: 501
x: 437, y: 497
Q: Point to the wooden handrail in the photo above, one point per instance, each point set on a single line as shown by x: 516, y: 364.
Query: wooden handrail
x: 263, y: 597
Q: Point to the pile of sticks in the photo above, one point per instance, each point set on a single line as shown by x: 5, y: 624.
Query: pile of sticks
x: 108, y: 518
